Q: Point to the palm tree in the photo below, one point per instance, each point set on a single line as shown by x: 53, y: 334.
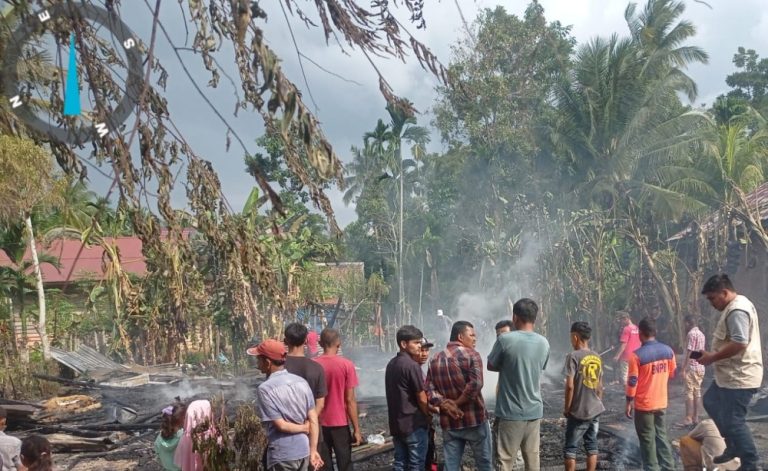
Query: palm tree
x: 661, y: 38
x: 620, y: 120
x: 730, y: 162
x: 383, y: 149
x: 359, y: 172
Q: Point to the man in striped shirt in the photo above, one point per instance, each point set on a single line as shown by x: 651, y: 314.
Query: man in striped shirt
x: 455, y: 377
x: 650, y: 368
x: 693, y: 372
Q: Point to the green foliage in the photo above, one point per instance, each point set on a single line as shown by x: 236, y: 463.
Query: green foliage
x: 582, y: 157
x: 27, y: 178
x: 503, y: 79
x: 751, y: 81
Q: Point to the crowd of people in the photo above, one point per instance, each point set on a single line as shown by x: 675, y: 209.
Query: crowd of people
x: 310, y: 412
x: 309, y: 407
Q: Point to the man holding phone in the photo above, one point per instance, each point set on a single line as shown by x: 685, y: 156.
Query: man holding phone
x: 737, y: 359
x: 693, y: 371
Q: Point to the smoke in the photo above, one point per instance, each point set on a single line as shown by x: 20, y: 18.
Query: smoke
x: 485, y: 308
x: 240, y: 390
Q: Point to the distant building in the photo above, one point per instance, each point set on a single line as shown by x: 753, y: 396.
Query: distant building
x: 77, y: 262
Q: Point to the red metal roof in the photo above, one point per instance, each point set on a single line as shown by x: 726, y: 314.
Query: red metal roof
x: 88, y: 264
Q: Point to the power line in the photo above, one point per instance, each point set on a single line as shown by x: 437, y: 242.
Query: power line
x: 298, y: 54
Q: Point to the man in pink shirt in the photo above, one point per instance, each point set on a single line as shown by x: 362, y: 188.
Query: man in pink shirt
x: 630, y: 341
x: 312, y: 339
x: 340, y: 404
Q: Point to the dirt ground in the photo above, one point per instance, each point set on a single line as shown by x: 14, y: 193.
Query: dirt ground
x: 618, y: 442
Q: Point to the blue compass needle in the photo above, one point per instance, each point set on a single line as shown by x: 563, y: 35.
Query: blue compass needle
x: 72, y: 91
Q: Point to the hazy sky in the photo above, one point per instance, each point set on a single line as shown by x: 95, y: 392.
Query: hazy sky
x: 348, y: 110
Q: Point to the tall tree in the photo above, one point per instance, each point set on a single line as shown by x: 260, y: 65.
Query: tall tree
x: 381, y: 162
x: 494, y: 179
x: 28, y: 182
x: 621, y: 119
x: 749, y: 87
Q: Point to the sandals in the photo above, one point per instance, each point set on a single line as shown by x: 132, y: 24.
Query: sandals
x: 685, y: 424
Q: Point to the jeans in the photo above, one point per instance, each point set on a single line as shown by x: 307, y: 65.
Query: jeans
x: 577, y: 429
x: 411, y: 450
x: 728, y: 408
x: 336, y: 440
x: 655, y: 449
x: 478, y: 438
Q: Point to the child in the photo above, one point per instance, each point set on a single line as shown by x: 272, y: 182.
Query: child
x: 583, y: 397
x: 197, y: 413
x: 36, y: 453
x: 170, y: 432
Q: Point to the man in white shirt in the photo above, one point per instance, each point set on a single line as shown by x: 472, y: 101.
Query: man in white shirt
x: 10, y: 447
x: 737, y: 360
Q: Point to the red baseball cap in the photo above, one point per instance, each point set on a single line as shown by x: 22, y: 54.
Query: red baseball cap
x: 270, y: 348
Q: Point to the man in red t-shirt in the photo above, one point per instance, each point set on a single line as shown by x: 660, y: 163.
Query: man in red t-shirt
x: 340, y: 404
x: 312, y: 339
x: 630, y: 341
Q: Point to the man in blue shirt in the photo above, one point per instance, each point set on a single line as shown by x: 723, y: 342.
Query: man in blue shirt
x: 519, y: 356
x: 287, y: 407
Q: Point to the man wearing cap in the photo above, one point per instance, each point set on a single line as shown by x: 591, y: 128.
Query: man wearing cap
x: 341, y: 404
x: 431, y: 463
x: 10, y: 447
x: 455, y: 377
x: 426, y: 345
x: 287, y: 407
x: 407, y: 406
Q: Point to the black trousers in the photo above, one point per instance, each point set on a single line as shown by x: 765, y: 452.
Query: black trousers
x: 337, y: 441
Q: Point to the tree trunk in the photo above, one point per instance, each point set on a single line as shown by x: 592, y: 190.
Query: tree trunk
x: 40, y: 291
x: 14, y: 337
x: 379, y: 327
x: 669, y: 302
x: 400, y: 277
x: 24, y: 341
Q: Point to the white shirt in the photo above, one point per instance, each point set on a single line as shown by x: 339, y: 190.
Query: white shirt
x: 10, y: 451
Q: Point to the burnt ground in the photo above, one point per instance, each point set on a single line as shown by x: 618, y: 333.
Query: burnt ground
x: 135, y: 450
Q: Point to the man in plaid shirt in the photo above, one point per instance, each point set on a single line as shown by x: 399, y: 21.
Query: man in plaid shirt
x: 455, y: 381
x: 693, y: 372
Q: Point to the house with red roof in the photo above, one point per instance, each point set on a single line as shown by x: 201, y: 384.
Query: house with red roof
x: 83, y: 262
x: 78, y: 262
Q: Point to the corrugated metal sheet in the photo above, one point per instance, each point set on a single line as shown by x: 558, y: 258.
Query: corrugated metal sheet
x: 85, y: 359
